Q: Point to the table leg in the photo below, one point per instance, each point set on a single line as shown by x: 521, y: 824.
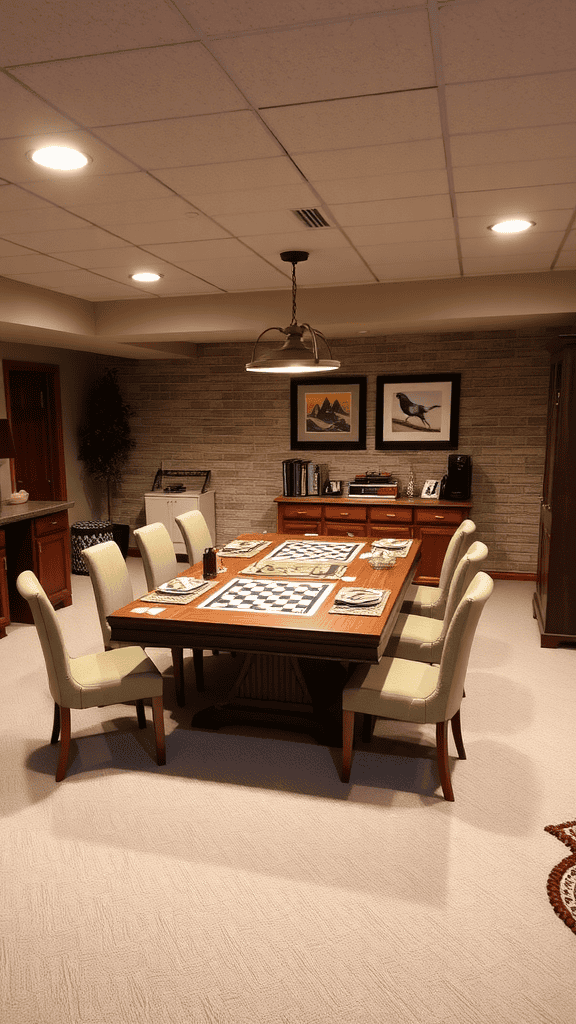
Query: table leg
x: 178, y: 665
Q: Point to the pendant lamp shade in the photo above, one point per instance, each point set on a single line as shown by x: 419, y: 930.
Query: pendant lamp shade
x: 305, y: 350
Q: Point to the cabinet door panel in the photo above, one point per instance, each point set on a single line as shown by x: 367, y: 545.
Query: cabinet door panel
x: 346, y: 529
x: 435, y: 541
x: 52, y: 557
x: 301, y: 526
x: 390, y: 530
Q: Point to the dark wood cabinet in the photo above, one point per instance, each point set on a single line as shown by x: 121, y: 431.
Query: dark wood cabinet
x: 4, y: 605
x: 40, y: 542
x: 432, y: 522
x: 555, y: 596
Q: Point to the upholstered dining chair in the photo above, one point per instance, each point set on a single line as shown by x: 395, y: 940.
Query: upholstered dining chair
x: 111, y: 585
x: 196, y: 534
x: 92, y: 680
x: 161, y: 565
x: 431, y: 601
x: 419, y: 638
x: 410, y: 691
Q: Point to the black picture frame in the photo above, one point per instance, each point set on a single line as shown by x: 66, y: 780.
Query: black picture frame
x: 436, y: 428
x: 339, y: 404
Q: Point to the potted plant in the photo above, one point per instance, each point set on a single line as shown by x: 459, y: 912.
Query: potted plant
x: 105, y: 441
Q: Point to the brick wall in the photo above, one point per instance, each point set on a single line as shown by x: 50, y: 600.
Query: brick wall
x: 209, y: 413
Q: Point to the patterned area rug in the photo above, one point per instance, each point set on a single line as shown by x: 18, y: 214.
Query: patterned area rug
x: 562, y: 879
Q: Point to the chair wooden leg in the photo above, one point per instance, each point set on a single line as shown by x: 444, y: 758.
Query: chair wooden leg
x: 178, y: 665
x: 141, y: 714
x: 442, y: 756
x: 56, y: 725
x: 367, y: 727
x: 198, y: 659
x: 64, y: 744
x: 158, y: 719
x: 347, y: 743
x: 457, y: 734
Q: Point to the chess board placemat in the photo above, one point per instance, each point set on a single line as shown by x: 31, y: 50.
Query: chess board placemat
x: 316, y: 551
x: 157, y: 598
x: 243, y: 554
x: 316, y: 570
x: 277, y: 597
x: 376, y: 609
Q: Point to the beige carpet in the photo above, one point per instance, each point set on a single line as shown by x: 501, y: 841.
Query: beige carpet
x: 244, y: 884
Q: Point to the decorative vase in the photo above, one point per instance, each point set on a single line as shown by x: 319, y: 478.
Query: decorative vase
x: 410, y: 486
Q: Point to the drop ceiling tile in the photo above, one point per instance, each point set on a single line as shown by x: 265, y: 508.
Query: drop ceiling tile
x: 246, y: 274
x: 511, y: 103
x: 99, y: 189
x: 392, y: 211
x: 514, y: 202
x: 188, y: 228
x: 489, y: 39
x: 405, y: 231
x: 567, y: 256
x: 23, y: 113
x: 136, y: 85
x: 128, y: 257
x: 14, y: 199
x: 80, y: 283
x: 188, y: 141
x: 325, y: 267
x: 10, y: 249
x: 509, y: 246
x: 208, y: 249
x: 312, y: 240
x: 384, y: 186
x: 513, y: 175
x: 216, y: 19
x: 67, y: 240
x: 49, y: 219
x: 173, y: 282
x: 231, y: 177
x: 258, y: 200
x: 520, y: 264
x: 546, y: 220
x: 358, y: 121
x: 272, y: 223
x: 365, y: 161
x: 52, y: 31
x: 132, y: 212
x: 31, y: 263
x: 318, y: 62
x: 16, y: 165
x: 556, y: 141
x: 403, y: 251
x: 417, y: 270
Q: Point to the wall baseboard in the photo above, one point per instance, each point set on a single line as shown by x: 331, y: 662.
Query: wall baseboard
x: 525, y: 576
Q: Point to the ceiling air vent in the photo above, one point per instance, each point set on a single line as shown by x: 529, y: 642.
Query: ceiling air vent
x: 312, y: 218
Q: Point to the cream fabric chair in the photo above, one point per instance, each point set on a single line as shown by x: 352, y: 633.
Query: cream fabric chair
x: 161, y: 565
x: 111, y: 584
x: 94, y: 680
x: 196, y: 534
x: 409, y: 691
x: 419, y: 638
x: 431, y: 601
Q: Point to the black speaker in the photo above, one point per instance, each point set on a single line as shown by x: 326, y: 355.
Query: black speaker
x: 459, y: 478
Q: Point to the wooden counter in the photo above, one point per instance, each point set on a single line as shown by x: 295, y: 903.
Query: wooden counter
x: 34, y: 535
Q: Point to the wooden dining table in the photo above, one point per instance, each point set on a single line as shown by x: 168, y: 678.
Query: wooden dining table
x: 296, y: 663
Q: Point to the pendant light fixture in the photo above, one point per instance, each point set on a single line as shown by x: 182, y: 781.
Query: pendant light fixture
x: 293, y: 356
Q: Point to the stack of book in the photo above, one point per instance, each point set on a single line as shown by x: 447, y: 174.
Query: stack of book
x: 301, y: 477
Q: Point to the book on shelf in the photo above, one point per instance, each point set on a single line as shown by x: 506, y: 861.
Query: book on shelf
x: 302, y: 478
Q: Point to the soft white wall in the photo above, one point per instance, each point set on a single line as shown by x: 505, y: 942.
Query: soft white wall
x: 75, y: 368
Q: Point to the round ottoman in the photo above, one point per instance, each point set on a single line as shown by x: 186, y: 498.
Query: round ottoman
x: 86, y: 535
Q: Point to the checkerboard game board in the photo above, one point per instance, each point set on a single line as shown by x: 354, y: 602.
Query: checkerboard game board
x: 316, y: 550
x: 278, y: 597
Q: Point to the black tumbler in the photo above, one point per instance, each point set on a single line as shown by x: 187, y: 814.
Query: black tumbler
x: 209, y: 566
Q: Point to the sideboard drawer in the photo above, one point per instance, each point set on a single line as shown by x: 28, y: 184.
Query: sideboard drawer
x: 451, y: 516
x: 336, y: 513
x: 302, y: 512
x: 50, y: 524
x: 391, y: 515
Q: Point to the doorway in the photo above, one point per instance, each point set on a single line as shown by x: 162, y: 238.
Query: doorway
x: 35, y: 415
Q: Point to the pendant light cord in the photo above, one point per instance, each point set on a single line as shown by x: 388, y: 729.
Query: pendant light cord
x: 294, y: 321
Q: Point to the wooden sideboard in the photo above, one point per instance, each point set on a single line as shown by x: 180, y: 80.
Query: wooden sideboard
x: 432, y: 522
x: 36, y: 536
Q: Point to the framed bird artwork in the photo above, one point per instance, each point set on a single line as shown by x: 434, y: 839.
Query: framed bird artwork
x: 417, y: 411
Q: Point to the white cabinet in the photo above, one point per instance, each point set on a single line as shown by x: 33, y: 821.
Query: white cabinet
x: 163, y: 508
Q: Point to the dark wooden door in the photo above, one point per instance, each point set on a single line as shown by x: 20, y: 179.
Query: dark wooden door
x: 34, y: 412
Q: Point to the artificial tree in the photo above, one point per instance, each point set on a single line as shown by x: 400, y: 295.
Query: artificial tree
x: 104, y: 437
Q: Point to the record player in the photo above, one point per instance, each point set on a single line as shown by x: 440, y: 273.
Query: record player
x: 373, y: 485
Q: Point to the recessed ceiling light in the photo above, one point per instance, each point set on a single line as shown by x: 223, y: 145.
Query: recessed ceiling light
x: 511, y: 227
x: 59, y: 158
x: 145, y: 275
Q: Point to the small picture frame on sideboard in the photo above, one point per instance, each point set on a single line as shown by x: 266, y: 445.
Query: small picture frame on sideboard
x: 431, y: 489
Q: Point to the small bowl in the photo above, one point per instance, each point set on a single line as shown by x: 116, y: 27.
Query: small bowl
x: 18, y: 498
x: 382, y: 560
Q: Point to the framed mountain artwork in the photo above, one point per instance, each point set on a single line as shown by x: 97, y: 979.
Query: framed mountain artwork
x: 328, y: 413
